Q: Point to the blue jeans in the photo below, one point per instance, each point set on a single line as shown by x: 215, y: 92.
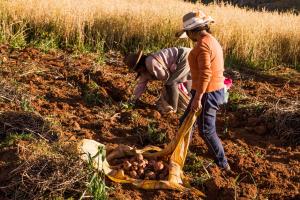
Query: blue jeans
x: 206, y: 122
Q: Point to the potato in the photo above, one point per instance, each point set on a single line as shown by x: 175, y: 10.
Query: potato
x: 135, y: 163
x: 146, y: 161
x: 150, y: 175
x: 139, y: 157
x: 158, y: 166
x: 140, y: 172
x: 152, y: 162
x: 133, y: 174
x: 135, y: 168
x: 127, y: 165
x: 142, y: 164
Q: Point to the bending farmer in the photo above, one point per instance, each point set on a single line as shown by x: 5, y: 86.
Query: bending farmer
x: 168, y: 65
x: 207, y: 66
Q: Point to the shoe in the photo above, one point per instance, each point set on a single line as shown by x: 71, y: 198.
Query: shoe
x: 227, y: 168
x: 163, y: 106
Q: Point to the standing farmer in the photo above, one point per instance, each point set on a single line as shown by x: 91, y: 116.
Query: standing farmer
x: 168, y: 65
x: 207, y: 66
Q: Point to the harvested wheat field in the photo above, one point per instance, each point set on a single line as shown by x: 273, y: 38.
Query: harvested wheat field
x: 63, y: 79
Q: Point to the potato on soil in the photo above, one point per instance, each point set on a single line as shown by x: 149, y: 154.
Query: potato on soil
x: 135, y: 168
x: 140, y: 172
x: 133, y: 174
x: 127, y: 165
x: 139, y: 157
x: 150, y: 175
x: 142, y: 164
x: 158, y: 166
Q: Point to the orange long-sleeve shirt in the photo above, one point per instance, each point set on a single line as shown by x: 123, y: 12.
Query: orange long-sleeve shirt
x: 207, y: 65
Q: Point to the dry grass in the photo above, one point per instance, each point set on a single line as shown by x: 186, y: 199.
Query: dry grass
x: 259, y: 38
x: 44, y: 171
x: 285, y: 120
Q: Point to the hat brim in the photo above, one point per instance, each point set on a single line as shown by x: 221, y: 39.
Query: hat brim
x: 140, y: 53
x: 181, y: 34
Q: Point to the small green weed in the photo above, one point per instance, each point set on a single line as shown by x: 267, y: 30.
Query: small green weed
x: 154, y: 135
x: 239, y: 179
x: 195, y: 167
x: 259, y: 154
x: 18, y: 40
x: 236, y: 96
x: 193, y: 163
x: 93, y: 94
x: 126, y: 105
x: 14, y: 137
x: 26, y: 105
x: 100, y: 52
x: 96, y: 185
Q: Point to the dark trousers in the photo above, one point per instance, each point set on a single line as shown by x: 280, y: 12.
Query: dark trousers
x: 206, y: 122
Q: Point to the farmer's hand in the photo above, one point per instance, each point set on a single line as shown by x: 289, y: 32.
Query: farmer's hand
x: 196, y: 104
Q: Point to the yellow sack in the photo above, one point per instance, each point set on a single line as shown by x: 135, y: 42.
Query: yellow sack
x: 176, y: 149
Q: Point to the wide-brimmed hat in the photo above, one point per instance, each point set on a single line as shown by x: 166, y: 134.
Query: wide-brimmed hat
x: 194, y: 20
x: 133, y: 59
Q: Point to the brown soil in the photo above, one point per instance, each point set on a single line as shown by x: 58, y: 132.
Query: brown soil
x: 82, y: 99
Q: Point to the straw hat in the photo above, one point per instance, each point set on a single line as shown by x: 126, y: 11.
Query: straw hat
x: 194, y: 20
x: 133, y: 59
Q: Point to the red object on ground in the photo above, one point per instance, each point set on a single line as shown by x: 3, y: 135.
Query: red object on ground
x: 228, y: 82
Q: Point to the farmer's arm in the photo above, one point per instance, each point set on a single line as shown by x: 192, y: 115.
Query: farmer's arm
x: 204, y: 69
x: 140, y: 87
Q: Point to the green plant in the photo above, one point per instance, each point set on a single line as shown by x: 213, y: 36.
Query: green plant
x: 46, y: 41
x: 259, y: 154
x: 193, y: 163
x: 238, y: 180
x: 127, y: 105
x: 17, y: 35
x: 93, y: 94
x: 236, y: 96
x: 14, y: 137
x: 154, y: 135
x: 96, y: 185
x: 199, y: 181
x: 195, y: 166
x: 26, y: 105
x: 92, y: 85
x: 100, y: 52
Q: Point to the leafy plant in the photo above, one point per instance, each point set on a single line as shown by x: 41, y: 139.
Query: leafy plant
x: 127, y: 105
x: 93, y: 94
x: 96, y: 185
x: 154, y: 135
x: 14, y: 137
x: 26, y: 105
x: 195, y: 166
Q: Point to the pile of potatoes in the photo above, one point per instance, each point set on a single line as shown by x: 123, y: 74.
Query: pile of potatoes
x: 140, y: 168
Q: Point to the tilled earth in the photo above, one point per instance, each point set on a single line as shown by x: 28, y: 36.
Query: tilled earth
x: 69, y: 97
